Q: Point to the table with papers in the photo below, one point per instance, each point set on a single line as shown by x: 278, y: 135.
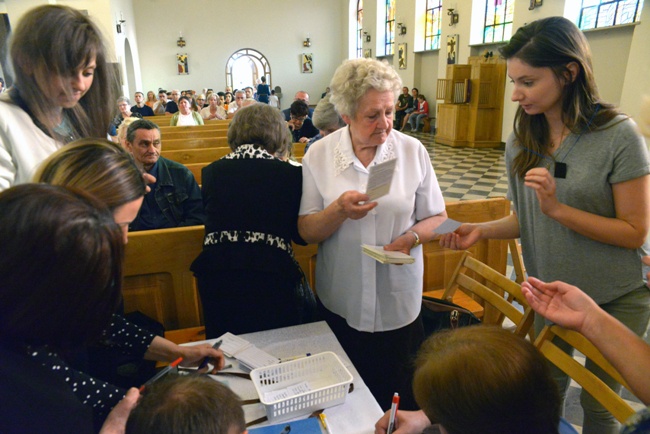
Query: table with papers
x: 357, y: 415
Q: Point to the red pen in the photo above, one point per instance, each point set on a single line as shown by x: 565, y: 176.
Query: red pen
x: 393, y: 414
x: 162, y: 373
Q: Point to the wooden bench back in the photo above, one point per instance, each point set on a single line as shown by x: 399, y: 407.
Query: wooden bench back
x: 158, y: 281
x: 193, y: 143
x: 164, y: 120
x: 196, y: 134
x: 189, y: 156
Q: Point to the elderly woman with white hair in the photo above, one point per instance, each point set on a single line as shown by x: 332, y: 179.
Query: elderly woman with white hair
x: 124, y: 111
x: 326, y: 119
x: 373, y: 308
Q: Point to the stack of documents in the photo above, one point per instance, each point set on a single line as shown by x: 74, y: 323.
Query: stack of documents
x: 385, y: 256
x: 249, y: 356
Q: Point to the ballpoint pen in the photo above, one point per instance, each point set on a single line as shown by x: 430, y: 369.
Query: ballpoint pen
x: 323, y: 420
x: 162, y: 373
x: 393, y: 414
x: 205, y: 361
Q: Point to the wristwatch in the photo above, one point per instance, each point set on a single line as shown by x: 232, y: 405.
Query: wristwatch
x: 417, y: 238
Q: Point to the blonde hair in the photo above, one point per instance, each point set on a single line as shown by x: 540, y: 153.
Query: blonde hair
x: 97, y: 166
x: 122, y: 129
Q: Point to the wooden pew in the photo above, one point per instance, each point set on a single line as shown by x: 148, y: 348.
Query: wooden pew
x: 164, y: 120
x: 189, y: 143
x: 196, y: 169
x: 189, y: 156
x: 158, y: 281
x: 193, y: 134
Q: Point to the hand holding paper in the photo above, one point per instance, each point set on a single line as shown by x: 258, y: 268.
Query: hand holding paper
x: 380, y: 178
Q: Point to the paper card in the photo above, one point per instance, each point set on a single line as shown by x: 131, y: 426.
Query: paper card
x: 231, y: 344
x: 288, y: 392
x: 380, y: 179
x: 447, y: 226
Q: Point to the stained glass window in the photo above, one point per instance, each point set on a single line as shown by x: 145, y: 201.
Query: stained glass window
x: 498, y: 20
x: 432, y: 24
x: 359, y: 28
x: 390, y: 27
x: 605, y: 13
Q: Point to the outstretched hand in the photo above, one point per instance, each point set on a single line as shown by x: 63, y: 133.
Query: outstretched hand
x: 462, y: 238
x: 559, y: 302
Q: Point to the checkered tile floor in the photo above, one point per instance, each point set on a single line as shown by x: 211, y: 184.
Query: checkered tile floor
x: 467, y: 173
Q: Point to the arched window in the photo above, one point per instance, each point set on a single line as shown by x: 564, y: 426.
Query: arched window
x: 433, y: 23
x: 359, y: 28
x: 498, y: 20
x: 245, y: 67
x: 390, y: 28
x: 600, y: 13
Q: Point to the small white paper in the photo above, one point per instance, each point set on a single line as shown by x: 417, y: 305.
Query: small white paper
x: 293, y: 390
x: 380, y: 178
x: 447, y: 226
x: 231, y: 344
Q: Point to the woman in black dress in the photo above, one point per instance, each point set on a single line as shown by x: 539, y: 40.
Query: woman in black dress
x: 246, y: 273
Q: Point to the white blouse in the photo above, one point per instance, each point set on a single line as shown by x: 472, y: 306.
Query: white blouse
x: 371, y: 296
x: 23, y: 146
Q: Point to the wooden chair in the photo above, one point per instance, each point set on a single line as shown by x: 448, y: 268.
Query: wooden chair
x: 602, y: 393
x: 517, y: 260
x: 441, y: 263
x: 489, y: 287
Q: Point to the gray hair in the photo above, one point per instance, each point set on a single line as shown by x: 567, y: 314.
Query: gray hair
x: 325, y: 115
x: 355, y: 77
x: 123, y: 99
x: 140, y: 124
x: 261, y: 125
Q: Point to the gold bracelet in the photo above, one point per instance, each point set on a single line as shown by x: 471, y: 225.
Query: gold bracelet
x: 417, y: 238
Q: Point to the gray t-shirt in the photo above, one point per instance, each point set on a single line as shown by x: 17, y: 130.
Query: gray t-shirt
x: 615, y: 153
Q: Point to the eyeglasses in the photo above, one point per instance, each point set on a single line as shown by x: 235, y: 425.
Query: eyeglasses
x: 299, y: 118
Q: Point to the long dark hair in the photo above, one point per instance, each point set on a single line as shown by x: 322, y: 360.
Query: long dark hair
x: 61, y: 257
x: 56, y: 41
x: 553, y: 43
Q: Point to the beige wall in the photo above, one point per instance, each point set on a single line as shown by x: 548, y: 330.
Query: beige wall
x: 214, y: 30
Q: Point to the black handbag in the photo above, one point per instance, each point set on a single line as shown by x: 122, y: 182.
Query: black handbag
x: 305, y: 298
x: 438, y: 314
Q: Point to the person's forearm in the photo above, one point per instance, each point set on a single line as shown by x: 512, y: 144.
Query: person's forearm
x: 314, y: 228
x: 502, y: 229
x: 162, y: 350
x: 626, y: 351
x: 425, y: 228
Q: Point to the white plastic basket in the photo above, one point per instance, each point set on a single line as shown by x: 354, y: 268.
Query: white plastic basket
x: 327, y: 378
